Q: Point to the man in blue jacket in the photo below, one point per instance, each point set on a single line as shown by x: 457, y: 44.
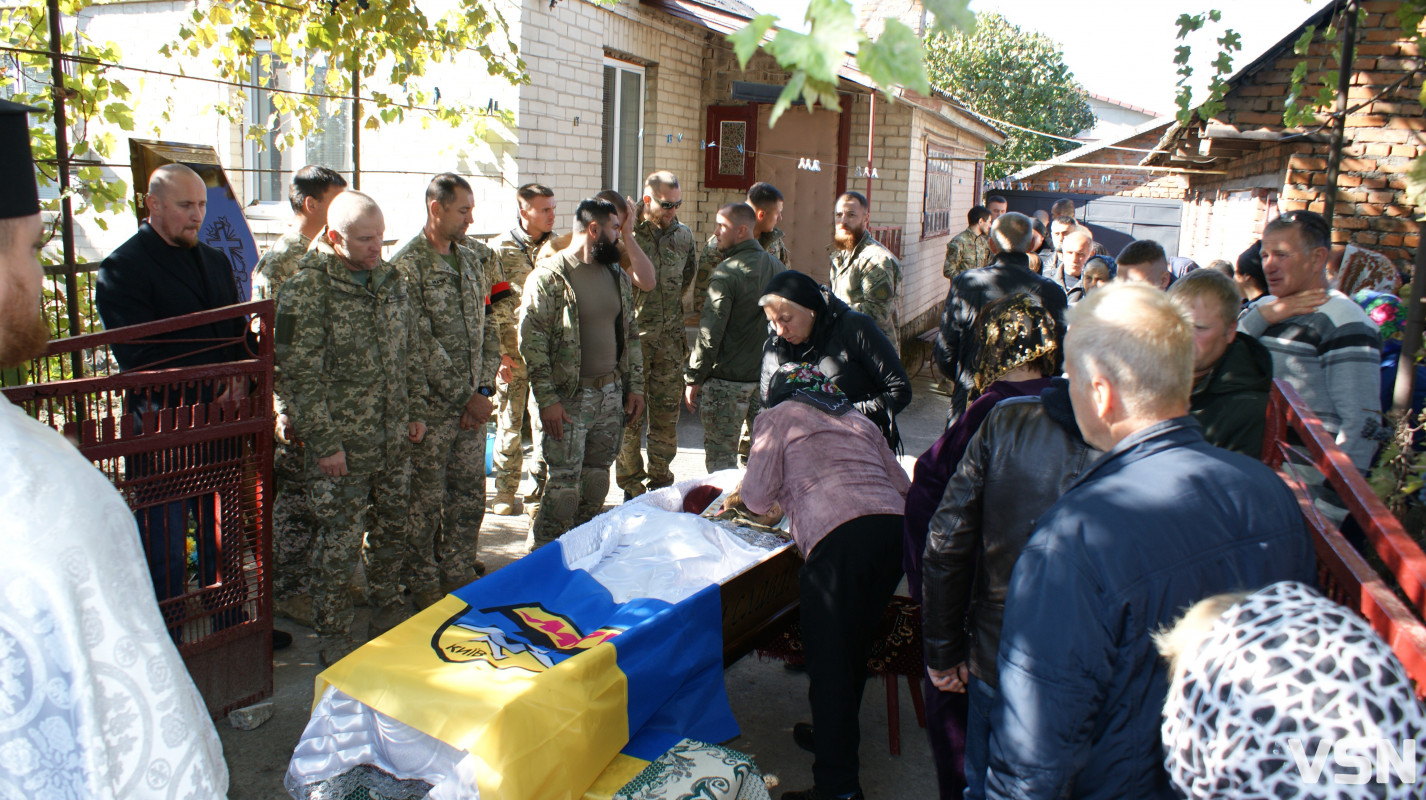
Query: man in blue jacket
x: 1160, y: 522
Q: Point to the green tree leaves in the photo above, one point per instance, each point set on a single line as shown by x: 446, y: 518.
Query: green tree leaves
x: 1018, y: 76
x: 895, y: 58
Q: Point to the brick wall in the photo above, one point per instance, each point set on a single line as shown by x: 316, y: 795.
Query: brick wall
x: 1381, y: 139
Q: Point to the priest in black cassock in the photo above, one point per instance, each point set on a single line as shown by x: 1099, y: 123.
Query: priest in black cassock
x: 164, y: 271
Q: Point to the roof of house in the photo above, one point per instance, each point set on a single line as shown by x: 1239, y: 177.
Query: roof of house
x: 1082, y: 152
x: 732, y: 7
x: 1264, y: 134
x: 1129, y: 106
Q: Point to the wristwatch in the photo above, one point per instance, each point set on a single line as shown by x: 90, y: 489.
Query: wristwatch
x: 485, y: 391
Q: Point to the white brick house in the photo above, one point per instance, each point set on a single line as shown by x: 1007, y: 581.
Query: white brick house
x: 614, y: 93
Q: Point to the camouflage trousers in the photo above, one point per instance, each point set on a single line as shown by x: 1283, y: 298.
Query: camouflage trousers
x: 374, y: 505
x: 510, y: 401
x: 447, y: 507
x: 578, y: 463
x: 663, y: 391
x: 294, y: 523
x: 725, y: 407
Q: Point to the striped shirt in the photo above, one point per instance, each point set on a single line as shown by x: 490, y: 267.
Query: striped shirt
x: 1332, y: 357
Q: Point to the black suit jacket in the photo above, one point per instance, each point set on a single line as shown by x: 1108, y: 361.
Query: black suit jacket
x: 148, y: 279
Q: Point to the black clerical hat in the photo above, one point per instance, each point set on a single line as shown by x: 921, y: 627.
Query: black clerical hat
x: 19, y: 197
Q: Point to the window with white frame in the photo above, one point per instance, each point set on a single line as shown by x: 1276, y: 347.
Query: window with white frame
x: 30, y: 84
x: 270, y: 167
x: 623, y: 124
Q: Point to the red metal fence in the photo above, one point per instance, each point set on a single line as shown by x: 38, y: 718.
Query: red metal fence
x: 1346, y: 577
x: 190, y: 448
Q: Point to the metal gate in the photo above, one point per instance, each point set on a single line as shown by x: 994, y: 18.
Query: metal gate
x: 1345, y: 576
x: 193, y: 459
x: 1115, y: 221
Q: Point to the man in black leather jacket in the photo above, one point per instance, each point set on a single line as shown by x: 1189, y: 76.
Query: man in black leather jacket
x: 1026, y: 453
x: 972, y: 290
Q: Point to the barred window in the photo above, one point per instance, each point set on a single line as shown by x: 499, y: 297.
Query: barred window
x: 936, y: 208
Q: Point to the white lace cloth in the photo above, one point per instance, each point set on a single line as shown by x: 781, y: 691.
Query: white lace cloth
x: 94, y: 699
x: 640, y: 549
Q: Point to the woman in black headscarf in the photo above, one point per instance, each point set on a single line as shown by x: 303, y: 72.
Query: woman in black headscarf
x: 809, y: 324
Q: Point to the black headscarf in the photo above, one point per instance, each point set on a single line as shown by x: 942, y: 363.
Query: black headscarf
x: 799, y: 288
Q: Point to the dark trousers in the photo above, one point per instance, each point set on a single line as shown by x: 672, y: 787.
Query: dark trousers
x: 946, y: 730
x: 845, y: 586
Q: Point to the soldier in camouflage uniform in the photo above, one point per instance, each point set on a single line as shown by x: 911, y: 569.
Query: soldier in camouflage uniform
x: 515, y: 252
x: 969, y: 249
x: 669, y: 244
x: 767, y: 201
x: 726, y: 363
x: 587, y: 378
x: 352, y: 365
x: 294, y: 523
x: 864, y: 273
x: 449, y: 283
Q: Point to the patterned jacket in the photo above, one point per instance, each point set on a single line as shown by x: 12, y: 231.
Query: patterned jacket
x: 279, y: 264
x: 967, y: 250
x: 549, y: 332
x: 868, y: 278
x: 273, y: 270
x: 460, y: 339
x: 660, y: 312
x: 516, y: 253
x: 352, y: 363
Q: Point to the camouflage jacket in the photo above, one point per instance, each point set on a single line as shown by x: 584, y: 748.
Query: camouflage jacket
x: 516, y: 253
x: 733, y: 328
x: 273, y: 270
x: 868, y: 278
x: 772, y: 242
x: 459, y: 338
x: 279, y: 264
x: 660, y: 312
x: 967, y: 250
x: 549, y: 332
x: 351, y: 359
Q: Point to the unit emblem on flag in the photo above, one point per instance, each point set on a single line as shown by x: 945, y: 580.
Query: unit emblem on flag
x: 527, y: 636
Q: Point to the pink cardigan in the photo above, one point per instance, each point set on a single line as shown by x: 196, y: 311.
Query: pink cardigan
x: 823, y: 470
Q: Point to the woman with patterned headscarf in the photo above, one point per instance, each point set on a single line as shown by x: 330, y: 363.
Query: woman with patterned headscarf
x: 831, y: 470
x: 1268, y: 688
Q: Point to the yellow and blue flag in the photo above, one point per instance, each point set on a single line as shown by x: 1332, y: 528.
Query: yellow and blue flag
x: 540, y: 674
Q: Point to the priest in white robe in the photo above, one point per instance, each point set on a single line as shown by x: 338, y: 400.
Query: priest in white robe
x: 94, y: 699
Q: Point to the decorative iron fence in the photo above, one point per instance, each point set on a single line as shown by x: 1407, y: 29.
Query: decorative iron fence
x: 190, y: 449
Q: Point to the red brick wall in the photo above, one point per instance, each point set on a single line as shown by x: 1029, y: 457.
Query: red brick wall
x: 1381, y: 139
x: 1126, y: 183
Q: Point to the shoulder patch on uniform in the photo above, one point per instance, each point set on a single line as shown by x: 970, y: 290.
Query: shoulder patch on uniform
x: 285, y: 324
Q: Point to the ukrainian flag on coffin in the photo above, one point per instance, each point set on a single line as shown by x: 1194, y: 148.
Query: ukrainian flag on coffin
x: 540, y: 674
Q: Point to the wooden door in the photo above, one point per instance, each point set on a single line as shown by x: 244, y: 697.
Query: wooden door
x: 808, y: 196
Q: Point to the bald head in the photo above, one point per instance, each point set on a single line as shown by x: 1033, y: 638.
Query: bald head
x: 1076, y: 248
x: 355, y: 227
x: 177, y: 202
x: 349, y: 208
